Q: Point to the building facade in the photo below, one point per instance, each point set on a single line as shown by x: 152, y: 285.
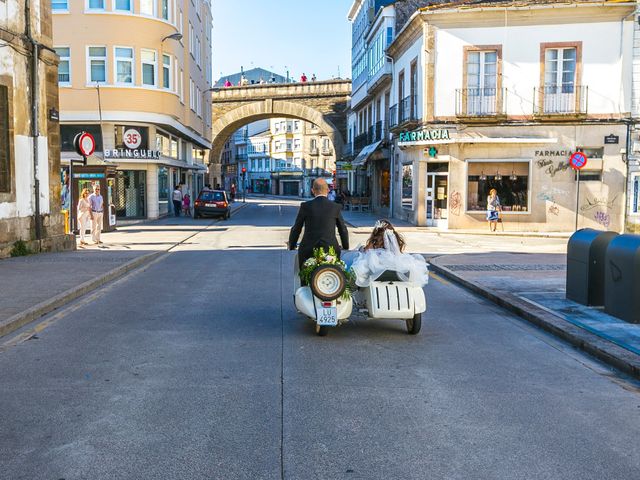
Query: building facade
x: 136, y: 74
x: 500, y: 97
x: 30, y: 182
x: 633, y: 145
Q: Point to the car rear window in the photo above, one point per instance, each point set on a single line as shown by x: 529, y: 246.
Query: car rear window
x: 212, y: 196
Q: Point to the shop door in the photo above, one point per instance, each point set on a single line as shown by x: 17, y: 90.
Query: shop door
x: 437, y: 200
x: 291, y: 188
x: 130, y: 194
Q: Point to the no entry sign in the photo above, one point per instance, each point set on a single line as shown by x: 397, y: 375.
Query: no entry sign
x: 85, y: 144
x: 578, y: 161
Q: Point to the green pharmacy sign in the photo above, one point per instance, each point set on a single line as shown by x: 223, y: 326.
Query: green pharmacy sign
x: 424, y: 135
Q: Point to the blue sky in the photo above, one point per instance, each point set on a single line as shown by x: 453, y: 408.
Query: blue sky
x: 304, y: 35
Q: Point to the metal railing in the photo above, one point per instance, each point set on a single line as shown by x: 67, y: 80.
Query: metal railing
x: 314, y: 151
x: 408, y: 110
x: 561, y: 99
x: 393, y: 115
x: 327, y: 151
x: 479, y: 102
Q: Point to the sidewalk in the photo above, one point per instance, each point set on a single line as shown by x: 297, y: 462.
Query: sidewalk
x: 35, y: 285
x: 532, y: 285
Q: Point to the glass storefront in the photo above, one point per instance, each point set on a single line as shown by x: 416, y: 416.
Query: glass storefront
x: 130, y: 193
x: 509, y: 178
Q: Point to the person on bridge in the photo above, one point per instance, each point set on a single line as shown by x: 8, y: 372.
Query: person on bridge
x: 303, y: 78
x: 227, y: 83
x: 320, y: 218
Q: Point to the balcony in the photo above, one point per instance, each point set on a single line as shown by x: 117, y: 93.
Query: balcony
x: 480, y: 103
x: 561, y: 100
x: 404, y: 115
x: 313, y: 151
x: 379, y: 75
x: 327, y: 151
x: 241, y: 157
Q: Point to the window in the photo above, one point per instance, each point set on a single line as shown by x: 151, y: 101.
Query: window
x: 123, y: 5
x: 635, y: 192
x: 181, y: 86
x: 163, y: 185
x: 192, y: 95
x: 163, y: 144
x: 97, y: 64
x: 5, y: 157
x: 592, y: 172
x: 166, y: 71
x: 296, y: 144
x: 95, y: 5
x: 64, y: 68
x: 148, y: 7
x: 509, y: 178
x: 166, y: 10
x: 149, y: 63
x: 124, y: 65
x: 60, y: 5
x: 407, y: 186
x: 560, y: 68
x: 560, y: 92
x: 180, y: 21
x: 198, y: 51
x: 482, y: 82
x: 191, y: 40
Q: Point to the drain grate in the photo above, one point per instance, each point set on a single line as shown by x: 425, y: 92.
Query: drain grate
x: 497, y: 268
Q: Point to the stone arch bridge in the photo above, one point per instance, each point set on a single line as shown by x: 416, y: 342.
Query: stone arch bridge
x: 323, y: 103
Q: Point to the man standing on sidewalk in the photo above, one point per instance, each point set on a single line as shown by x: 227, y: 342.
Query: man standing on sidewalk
x: 97, y: 206
x: 177, y: 200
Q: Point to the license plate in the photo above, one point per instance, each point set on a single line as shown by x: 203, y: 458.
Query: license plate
x: 210, y: 205
x: 327, y: 316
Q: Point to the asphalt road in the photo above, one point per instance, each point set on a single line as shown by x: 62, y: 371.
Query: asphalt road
x: 198, y: 367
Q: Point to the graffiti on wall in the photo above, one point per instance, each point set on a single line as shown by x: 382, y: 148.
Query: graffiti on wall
x: 551, y: 168
x: 455, y: 203
x: 554, y: 209
x: 603, y: 218
x: 596, y: 202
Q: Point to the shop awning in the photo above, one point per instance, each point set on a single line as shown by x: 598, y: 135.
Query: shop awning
x: 365, y: 153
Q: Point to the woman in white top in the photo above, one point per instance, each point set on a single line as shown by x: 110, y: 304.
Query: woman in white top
x: 84, y: 214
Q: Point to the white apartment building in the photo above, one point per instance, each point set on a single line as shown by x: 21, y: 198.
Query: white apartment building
x: 492, y: 96
x: 368, y: 172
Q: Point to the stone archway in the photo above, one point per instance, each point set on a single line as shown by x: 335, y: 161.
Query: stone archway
x: 227, y: 124
x: 323, y: 103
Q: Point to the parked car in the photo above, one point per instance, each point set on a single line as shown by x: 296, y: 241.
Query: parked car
x: 212, y: 202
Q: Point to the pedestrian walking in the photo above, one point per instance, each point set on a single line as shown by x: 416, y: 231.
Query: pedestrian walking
x: 233, y: 192
x: 332, y: 195
x: 84, y: 214
x: 177, y: 200
x: 227, y: 83
x: 97, y: 213
x: 313, y: 77
x: 303, y: 78
x: 186, y: 205
x: 493, y: 209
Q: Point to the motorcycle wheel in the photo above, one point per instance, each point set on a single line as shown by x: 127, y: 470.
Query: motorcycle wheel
x: 322, y: 330
x: 414, y: 324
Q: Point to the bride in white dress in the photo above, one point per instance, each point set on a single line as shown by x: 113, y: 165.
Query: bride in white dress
x: 384, y: 251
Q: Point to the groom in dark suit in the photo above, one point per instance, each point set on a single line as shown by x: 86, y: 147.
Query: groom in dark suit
x: 320, y: 217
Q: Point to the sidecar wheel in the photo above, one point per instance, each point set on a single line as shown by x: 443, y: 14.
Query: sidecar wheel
x: 322, y: 330
x: 414, y: 324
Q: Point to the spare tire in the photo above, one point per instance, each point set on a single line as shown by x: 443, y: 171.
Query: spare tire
x: 328, y: 282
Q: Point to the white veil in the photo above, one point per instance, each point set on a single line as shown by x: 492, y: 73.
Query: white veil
x: 370, y: 264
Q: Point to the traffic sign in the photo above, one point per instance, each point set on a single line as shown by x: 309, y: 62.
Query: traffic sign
x: 578, y: 161
x: 132, y: 138
x: 84, y: 144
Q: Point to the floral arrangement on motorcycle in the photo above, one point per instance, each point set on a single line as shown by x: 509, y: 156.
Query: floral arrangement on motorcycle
x: 321, y: 258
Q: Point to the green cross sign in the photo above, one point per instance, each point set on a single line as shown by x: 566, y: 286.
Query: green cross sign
x: 433, y: 151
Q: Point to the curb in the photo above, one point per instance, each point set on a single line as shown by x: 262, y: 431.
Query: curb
x: 592, y: 344
x: 18, y: 320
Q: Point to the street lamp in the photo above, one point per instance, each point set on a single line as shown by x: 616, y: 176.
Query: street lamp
x: 174, y: 36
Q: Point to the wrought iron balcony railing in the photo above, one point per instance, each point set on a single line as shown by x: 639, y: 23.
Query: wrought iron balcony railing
x: 480, y: 102
x: 566, y: 99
